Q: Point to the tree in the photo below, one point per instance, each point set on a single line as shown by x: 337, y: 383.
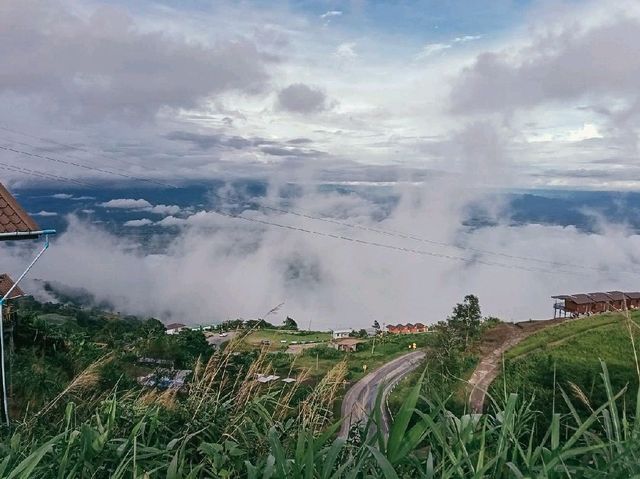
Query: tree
x: 290, y: 323
x: 466, y: 319
x: 359, y: 334
x: 376, y: 326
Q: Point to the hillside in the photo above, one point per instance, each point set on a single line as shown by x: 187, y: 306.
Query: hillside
x: 567, y: 357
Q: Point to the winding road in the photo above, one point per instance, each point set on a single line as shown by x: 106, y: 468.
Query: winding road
x: 360, y: 399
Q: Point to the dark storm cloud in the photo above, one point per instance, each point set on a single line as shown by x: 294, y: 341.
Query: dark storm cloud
x: 103, y: 65
x: 301, y: 98
x: 572, y: 63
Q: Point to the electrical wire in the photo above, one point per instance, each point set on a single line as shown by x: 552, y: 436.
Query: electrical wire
x: 79, y: 165
x: 391, y: 233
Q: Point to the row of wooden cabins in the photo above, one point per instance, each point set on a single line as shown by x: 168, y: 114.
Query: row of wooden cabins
x: 406, y: 328
x: 593, y: 303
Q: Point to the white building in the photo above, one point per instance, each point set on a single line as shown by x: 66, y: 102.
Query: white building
x: 341, y: 333
x: 175, y: 328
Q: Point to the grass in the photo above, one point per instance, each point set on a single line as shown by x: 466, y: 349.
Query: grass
x: 275, y: 336
x: 247, y: 431
x: 548, y: 337
x: 56, y: 318
x: 373, y: 356
x: 569, y: 356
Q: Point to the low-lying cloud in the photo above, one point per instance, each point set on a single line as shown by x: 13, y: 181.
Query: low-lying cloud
x: 216, y: 267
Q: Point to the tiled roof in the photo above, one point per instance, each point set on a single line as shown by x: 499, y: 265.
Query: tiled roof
x: 5, y: 285
x: 600, y: 297
x: 616, y: 295
x: 175, y: 326
x: 12, y: 217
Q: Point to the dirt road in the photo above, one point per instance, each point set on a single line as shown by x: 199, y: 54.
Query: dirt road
x: 360, y: 399
x: 504, y: 337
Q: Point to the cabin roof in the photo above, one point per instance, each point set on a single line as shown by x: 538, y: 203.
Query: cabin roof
x: 616, y: 295
x: 13, y: 219
x: 5, y: 285
x: 175, y: 326
x: 600, y: 297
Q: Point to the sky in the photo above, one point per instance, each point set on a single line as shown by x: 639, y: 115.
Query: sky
x: 327, y: 90
x: 442, y: 102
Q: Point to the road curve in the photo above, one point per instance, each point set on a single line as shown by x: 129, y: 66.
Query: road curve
x: 360, y: 399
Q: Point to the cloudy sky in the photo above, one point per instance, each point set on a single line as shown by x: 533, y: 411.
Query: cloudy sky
x: 437, y: 100
x: 522, y: 93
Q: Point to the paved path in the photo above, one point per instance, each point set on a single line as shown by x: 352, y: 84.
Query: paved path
x: 217, y: 340
x: 360, y: 399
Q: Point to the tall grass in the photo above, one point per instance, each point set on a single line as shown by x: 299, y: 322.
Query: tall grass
x: 230, y: 426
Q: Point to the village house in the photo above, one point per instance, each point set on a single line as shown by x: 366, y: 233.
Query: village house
x: 175, y: 328
x: 341, y: 333
x: 406, y: 328
x: 346, y: 344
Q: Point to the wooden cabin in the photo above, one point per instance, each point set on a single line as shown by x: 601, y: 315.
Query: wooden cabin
x: 593, y: 303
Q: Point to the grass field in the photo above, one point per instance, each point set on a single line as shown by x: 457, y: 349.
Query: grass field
x: 275, y: 336
x: 567, y: 357
x: 549, y: 337
x: 373, y: 356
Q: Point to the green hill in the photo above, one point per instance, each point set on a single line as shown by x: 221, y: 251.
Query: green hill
x: 567, y: 358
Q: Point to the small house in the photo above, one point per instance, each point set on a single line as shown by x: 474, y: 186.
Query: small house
x: 347, y: 344
x: 633, y: 300
x: 175, y: 328
x: 406, y: 328
x: 618, y: 300
x: 341, y: 333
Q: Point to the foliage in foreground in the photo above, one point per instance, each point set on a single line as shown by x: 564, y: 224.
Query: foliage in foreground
x: 231, y: 428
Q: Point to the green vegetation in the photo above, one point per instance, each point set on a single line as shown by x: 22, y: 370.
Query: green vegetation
x: 96, y: 422
x: 373, y: 353
x: 451, y: 358
x: 275, y: 336
x: 565, y: 359
x: 231, y: 429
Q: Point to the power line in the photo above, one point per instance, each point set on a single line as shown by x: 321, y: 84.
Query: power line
x: 303, y: 215
x: 407, y: 236
x: 300, y: 214
x: 471, y: 261
x: 77, y: 148
x: 42, y: 174
x: 79, y: 165
x: 393, y: 247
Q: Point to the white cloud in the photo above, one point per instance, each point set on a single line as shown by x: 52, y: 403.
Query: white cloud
x: 589, y: 131
x: 331, y: 13
x: 62, y: 196
x: 242, y: 269
x: 346, y: 51
x: 45, y: 213
x: 467, y: 38
x: 138, y: 223
x: 431, y: 49
x: 126, y: 203
x: 164, y: 209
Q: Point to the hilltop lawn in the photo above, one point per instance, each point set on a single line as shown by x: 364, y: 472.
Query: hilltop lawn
x: 567, y: 357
